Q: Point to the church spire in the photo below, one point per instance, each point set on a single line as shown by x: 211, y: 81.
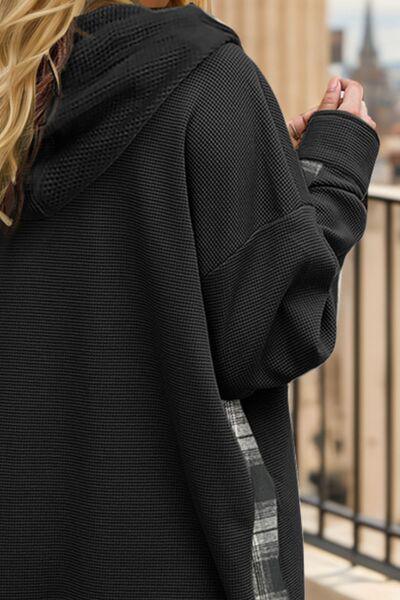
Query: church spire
x: 377, y: 90
x: 368, y: 50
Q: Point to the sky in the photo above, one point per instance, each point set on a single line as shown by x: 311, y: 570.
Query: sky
x: 349, y: 15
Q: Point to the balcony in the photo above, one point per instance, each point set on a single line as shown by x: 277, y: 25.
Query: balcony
x: 346, y: 418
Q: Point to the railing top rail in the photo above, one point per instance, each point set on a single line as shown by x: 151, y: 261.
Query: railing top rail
x: 386, y: 193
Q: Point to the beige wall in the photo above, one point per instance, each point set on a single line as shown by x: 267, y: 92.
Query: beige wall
x: 288, y: 39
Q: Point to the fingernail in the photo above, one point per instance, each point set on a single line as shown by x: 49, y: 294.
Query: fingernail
x: 333, y: 84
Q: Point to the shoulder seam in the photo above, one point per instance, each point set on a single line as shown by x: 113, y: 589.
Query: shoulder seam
x: 254, y: 235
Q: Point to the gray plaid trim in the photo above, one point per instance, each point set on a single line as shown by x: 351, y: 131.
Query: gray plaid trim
x: 267, y: 578
x: 311, y: 170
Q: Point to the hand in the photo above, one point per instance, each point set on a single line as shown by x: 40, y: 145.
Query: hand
x: 353, y: 102
x: 346, y: 95
x: 341, y: 94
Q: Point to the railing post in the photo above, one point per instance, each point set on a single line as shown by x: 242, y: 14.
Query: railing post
x: 296, y: 416
x: 357, y: 394
x: 389, y: 378
x: 322, y: 474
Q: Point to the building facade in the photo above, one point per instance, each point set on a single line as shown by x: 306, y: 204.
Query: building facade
x: 289, y: 41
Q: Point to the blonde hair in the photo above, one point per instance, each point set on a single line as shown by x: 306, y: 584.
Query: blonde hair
x: 34, y: 37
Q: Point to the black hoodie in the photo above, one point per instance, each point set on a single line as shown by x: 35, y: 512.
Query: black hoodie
x: 173, y: 256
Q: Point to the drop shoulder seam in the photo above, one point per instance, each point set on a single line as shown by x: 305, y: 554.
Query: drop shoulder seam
x: 255, y: 234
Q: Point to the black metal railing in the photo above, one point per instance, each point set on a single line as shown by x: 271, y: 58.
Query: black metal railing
x: 319, y: 497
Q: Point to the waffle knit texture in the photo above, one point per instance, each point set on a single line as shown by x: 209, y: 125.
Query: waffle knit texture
x: 175, y: 253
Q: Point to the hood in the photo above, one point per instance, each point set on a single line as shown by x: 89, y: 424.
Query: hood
x: 129, y: 61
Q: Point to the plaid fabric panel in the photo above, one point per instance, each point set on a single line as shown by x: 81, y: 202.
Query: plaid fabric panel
x: 267, y: 578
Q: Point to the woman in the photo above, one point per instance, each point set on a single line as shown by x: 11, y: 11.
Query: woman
x: 169, y: 263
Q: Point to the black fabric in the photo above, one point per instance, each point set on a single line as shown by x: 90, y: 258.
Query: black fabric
x: 170, y: 256
x: 126, y: 64
x: 270, y: 253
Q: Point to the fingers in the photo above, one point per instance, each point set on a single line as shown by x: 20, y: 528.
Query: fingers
x: 353, y: 102
x: 364, y: 111
x: 346, y: 82
x: 353, y: 98
x: 331, y: 100
x: 298, y: 125
x: 308, y: 114
x: 365, y: 116
x: 370, y: 122
x: 295, y: 137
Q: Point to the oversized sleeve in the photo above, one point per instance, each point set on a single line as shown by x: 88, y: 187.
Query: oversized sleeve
x: 272, y: 225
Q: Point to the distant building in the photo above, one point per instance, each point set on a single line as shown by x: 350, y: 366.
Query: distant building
x: 390, y: 156
x: 378, y: 93
x: 337, y: 43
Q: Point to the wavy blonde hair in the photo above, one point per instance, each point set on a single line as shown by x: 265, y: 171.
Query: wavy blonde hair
x: 35, y: 42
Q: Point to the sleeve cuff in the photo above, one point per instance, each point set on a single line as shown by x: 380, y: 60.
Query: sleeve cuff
x: 341, y: 141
